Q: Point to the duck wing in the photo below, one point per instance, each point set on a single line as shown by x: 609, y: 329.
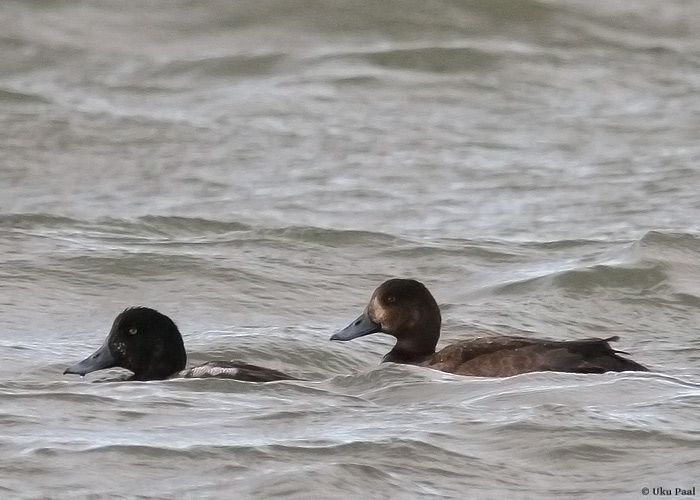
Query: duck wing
x: 233, y: 370
x: 504, y: 356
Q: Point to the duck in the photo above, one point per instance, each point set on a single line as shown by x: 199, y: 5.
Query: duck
x: 406, y: 310
x: 149, y: 344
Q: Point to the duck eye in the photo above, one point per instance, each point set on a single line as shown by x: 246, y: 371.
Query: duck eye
x: 391, y: 299
x: 133, y: 330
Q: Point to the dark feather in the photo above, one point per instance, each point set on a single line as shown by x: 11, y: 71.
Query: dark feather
x: 507, y: 356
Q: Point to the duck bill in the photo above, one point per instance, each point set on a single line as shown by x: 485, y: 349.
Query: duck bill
x: 359, y: 328
x: 99, y: 360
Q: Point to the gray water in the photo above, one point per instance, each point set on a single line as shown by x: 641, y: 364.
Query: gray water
x: 254, y: 169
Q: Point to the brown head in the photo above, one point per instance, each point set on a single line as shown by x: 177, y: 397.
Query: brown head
x: 402, y: 308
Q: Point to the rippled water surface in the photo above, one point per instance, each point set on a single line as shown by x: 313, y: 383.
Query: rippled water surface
x: 254, y: 169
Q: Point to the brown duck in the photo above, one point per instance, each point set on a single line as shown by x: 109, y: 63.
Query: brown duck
x: 405, y: 309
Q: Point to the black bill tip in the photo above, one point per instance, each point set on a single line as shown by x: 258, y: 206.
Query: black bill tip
x: 362, y: 326
x: 99, y: 360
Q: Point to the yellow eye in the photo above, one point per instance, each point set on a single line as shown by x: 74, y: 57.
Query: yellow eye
x: 133, y: 330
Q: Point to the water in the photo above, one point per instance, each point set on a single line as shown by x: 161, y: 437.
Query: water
x: 255, y: 169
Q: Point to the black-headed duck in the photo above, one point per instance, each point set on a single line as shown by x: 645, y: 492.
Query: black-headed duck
x: 405, y: 309
x: 149, y: 344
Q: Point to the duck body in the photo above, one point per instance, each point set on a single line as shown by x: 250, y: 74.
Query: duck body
x: 232, y: 370
x: 405, y: 309
x: 149, y: 344
x: 506, y: 356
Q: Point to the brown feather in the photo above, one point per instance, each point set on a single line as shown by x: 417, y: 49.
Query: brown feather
x: 506, y: 356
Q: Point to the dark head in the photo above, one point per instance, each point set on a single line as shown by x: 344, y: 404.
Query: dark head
x: 141, y: 340
x: 402, y: 308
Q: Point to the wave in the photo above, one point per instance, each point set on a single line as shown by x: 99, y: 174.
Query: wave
x: 156, y: 228
x: 656, y: 261
x: 432, y: 58
x: 154, y: 245
x: 15, y: 96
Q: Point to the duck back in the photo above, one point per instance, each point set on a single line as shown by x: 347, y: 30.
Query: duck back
x: 505, y: 356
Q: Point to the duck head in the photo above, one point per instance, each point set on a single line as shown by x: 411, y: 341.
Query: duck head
x: 141, y: 340
x: 404, y: 309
